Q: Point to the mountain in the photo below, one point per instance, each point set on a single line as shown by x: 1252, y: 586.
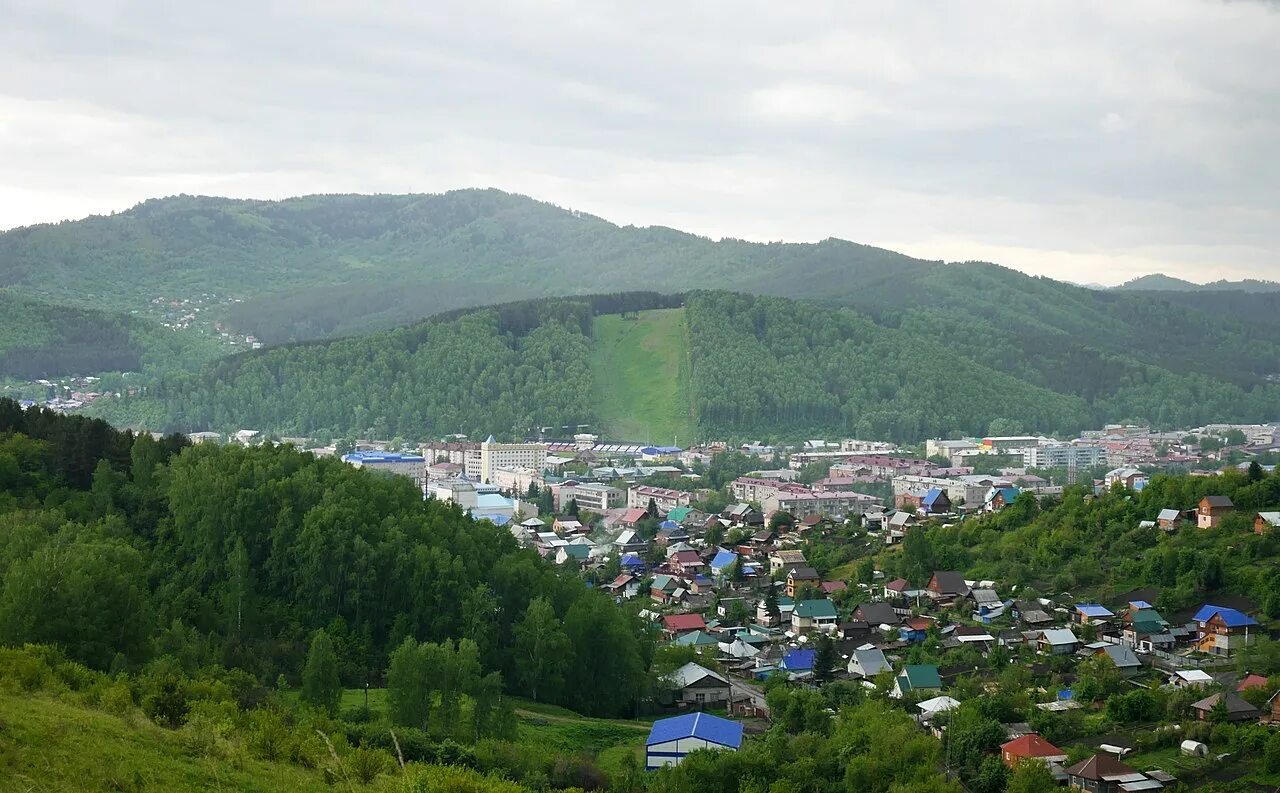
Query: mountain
x: 333, y: 265
x: 1159, y: 282
x: 1002, y: 356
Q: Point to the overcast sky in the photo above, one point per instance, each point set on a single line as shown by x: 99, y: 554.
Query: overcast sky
x: 1092, y: 141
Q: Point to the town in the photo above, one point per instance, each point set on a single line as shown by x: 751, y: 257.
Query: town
x: 727, y: 553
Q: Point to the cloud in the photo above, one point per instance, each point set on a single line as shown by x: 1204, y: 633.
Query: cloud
x: 1087, y: 140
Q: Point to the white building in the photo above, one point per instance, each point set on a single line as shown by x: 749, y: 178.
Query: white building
x: 482, y: 464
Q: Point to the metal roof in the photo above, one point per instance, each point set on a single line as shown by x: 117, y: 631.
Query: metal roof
x: 712, y: 729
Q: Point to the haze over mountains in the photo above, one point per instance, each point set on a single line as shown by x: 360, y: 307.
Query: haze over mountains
x: 316, y: 267
x: 1159, y: 282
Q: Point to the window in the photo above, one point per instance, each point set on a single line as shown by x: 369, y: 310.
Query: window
x: 700, y: 697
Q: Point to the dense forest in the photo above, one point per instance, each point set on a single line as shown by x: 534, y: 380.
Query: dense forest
x: 1159, y: 282
x: 760, y: 366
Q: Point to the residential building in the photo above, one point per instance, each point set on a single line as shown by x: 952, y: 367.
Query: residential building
x: 1265, y: 522
x: 1223, y: 631
x: 1102, y: 773
x: 1064, y: 455
x: 413, y: 466
x: 1058, y: 641
x: 918, y: 677
x: 836, y: 504
x: 798, y: 577
x: 675, y: 624
x: 482, y: 463
x: 665, y: 499
x: 947, y: 585
x: 1131, y: 478
x: 1211, y: 510
x: 877, y: 613
x: 1030, y: 747
x: 1233, y: 707
x: 592, y: 496
x: 448, y: 452
x: 814, y: 615
x: 781, y: 560
x: 700, y: 687
x: 867, y: 662
x: 670, y: 740
x: 1168, y: 519
x: 1090, y: 614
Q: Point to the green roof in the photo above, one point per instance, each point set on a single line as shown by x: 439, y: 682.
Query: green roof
x: 678, y: 514
x: 919, y: 676
x: 815, y: 609
x: 696, y: 638
x: 577, y: 551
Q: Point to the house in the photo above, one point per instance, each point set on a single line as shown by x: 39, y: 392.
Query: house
x: 1186, y: 678
x: 1131, y: 478
x: 631, y: 517
x: 876, y: 614
x: 1123, y: 657
x: 1058, y: 641
x: 572, y: 554
x: 563, y: 526
x: 699, y: 686
x: 1234, y: 708
x: 1265, y: 522
x: 914, y: 629
x: 1212, y: 509
x: 1252, y: 681
x: 932, y: 707
x: 1168, y: 519
x: 1143, y: 626
x: 798, y: 577
x: 974, y: 636
x: 867, y: 662
x: 664, y: 588
x: 781, y: 560
x: 917, y: 677
x: 670, y: 740
x: 696, y: 639
x: 633, y: 564
x: 687, y: 562
x: 722, y: 562
x: 1030, y: 747
x: 832, y: 587
x: 811, y: 615
x: 1031, y: 612
x: 936, y: 502
x: 630, y: 542
x: 742, y: 515
x: 947, y: 585
x: 798, y: 662
x: 1222, y: 631
x: 1090, y: 614
x: 675, y: 624
x: 1102, y: 773
x: 624, y: 586
x: 998, y: 498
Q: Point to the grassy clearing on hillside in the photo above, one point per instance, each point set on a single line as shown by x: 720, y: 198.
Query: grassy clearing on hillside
x: 48, y: 745
x: 640, y: 371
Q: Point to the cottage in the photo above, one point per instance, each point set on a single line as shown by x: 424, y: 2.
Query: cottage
x: 1168, y: 519
x: 696, y: 685
x: 781, y: 560
x: 1252, y: 681
x: 1233, y: 708
x: 1212, y: 509
x: 936, y: 502
x: 675, y: 624
x: 1031, y: 612
x: 670, y: 740
x: 628, y: 541
x: 876, y: 614
x: 632, y: 517
x: 867, y: 662
x: 1090, y: 613
x: 919, y: 677
x: 1265, y: 522
x: 832, y: 587
x: 696, y: 639
x: 722, y: 563
x: 664, y: 588
x: 1123, y: 657
x: 1102, y: 773
x: 798, y: 662
x: 914, y: 629
x: 997, y: 498
x: 1223, y: 631
x: 1187, y: 678
x: 624, y: 586
x: 947, y: 585
x: 1058, y: 641
x: 810, y: 615
x: 799, y: 577
x: 1030, y: 747
x: 687, y: 562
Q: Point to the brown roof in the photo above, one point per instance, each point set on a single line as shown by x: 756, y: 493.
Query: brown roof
x: 1031, y: 745
x: 1099, y: 767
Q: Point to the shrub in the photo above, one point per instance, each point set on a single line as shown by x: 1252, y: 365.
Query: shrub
x: 366, y: 764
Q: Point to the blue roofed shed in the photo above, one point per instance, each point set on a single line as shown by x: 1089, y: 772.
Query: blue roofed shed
x: 670, y: 740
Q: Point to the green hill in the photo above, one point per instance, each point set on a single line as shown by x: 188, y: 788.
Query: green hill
x: 297, y: 263
x: 1159, y: 282
x: 1039, y: 357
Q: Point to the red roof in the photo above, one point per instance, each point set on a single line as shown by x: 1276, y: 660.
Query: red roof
x: 633, y: 516
x: 919, y: 624
x: 1031, y: 745
x: 834, y: 586
x: 686, y: 557
x: 897, y: 585
x: 683, y: 622
x: 1252, y: 681
x: 812, y: 520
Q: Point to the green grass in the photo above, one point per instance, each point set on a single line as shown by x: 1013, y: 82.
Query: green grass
x: 50, y: 745
x: 640, y: 371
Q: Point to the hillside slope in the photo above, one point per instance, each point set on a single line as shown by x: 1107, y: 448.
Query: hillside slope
x: 1159, y: 282
x: 757, y: 366
x: 405, y: 256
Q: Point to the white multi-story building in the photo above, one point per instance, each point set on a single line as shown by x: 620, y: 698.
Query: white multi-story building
x: 1064, y: 455
x: 829, y: 504
x: 664, y: 498
x: 482, y: 464
x: 591, y: 496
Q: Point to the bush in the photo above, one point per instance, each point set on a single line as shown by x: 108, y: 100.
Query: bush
x: 449, y: 779
x: 366, y: 764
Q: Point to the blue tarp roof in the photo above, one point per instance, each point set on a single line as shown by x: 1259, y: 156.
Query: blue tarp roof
x: 798, y: 660
x: 697, y: 725
x: 1231, y: 617
x: 669, y: 524
x: 631, y: 560
x: 1093, y: 610
x: 723, y: 559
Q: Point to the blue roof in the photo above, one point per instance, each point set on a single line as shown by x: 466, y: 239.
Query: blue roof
x: 1139, y: 604
x: 631, y: 560
x: 651, y: 450
x: 701, y: 580
x: 497, y: 519
x: 697, y: 725
x: 1230, y: 617
x: 798, y: 660
x: 669, y: 524
x: 723, y: 559
x: 931, y: 496
x: 369, y: 458
x: 1093, y: 610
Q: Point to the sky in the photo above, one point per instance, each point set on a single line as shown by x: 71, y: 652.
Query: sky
x: 1087, y: 141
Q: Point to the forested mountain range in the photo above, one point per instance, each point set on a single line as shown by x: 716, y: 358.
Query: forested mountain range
x: 758, y: 366
x: 1159, y: 282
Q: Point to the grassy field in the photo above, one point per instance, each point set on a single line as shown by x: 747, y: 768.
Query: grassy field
x: 640, y: 370
x: 48, y: 745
